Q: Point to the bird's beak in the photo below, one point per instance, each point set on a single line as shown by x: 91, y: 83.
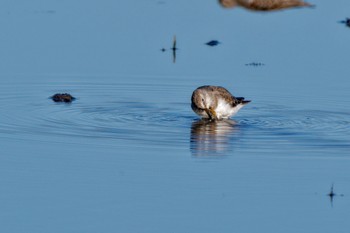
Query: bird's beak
x: 211, y: 113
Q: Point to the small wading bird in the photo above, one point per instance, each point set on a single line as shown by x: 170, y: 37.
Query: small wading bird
x: 264, y: 5
x: 215, y: 103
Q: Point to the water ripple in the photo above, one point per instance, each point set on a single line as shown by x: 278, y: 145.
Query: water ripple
x: 139, y: 113
x: 305, y: 126
x: 95, y: 115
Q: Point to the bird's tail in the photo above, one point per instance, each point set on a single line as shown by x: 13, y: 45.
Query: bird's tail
x: 240, y: 100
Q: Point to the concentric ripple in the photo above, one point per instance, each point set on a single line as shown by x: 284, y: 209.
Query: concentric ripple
x: 305, y: 127
x: 100, y: 111
x: 159, y: 115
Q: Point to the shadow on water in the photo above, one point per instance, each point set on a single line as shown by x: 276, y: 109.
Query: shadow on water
x: 212, y: 138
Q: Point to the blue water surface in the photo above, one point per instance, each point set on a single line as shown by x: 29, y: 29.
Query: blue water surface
x: 129, y: 155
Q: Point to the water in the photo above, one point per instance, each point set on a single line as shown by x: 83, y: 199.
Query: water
x: 129, y: 155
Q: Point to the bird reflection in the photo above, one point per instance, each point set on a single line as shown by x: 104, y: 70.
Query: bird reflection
x: 264, y: 5
x: 211, y: 138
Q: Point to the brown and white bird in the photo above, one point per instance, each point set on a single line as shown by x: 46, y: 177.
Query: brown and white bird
x: 215, y: 103
x: 264, y: 5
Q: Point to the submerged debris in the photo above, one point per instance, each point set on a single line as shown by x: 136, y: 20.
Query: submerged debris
x: 213, y: 43
x: 62, y: 97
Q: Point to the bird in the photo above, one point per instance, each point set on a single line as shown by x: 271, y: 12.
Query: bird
x: 264, y: 5
x: 212, y: 43
x: 215, y: 102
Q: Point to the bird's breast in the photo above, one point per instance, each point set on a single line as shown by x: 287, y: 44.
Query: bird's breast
x: 225, y: 109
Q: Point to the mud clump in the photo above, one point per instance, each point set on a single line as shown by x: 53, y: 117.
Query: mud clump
x: 62, y: 97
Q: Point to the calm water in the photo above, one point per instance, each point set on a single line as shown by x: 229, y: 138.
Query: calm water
x: 129, y: 155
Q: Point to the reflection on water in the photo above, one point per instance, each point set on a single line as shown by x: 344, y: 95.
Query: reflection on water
x: 211, y: 137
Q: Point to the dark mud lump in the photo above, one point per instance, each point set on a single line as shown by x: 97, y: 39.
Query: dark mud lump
x: 62, y: 97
